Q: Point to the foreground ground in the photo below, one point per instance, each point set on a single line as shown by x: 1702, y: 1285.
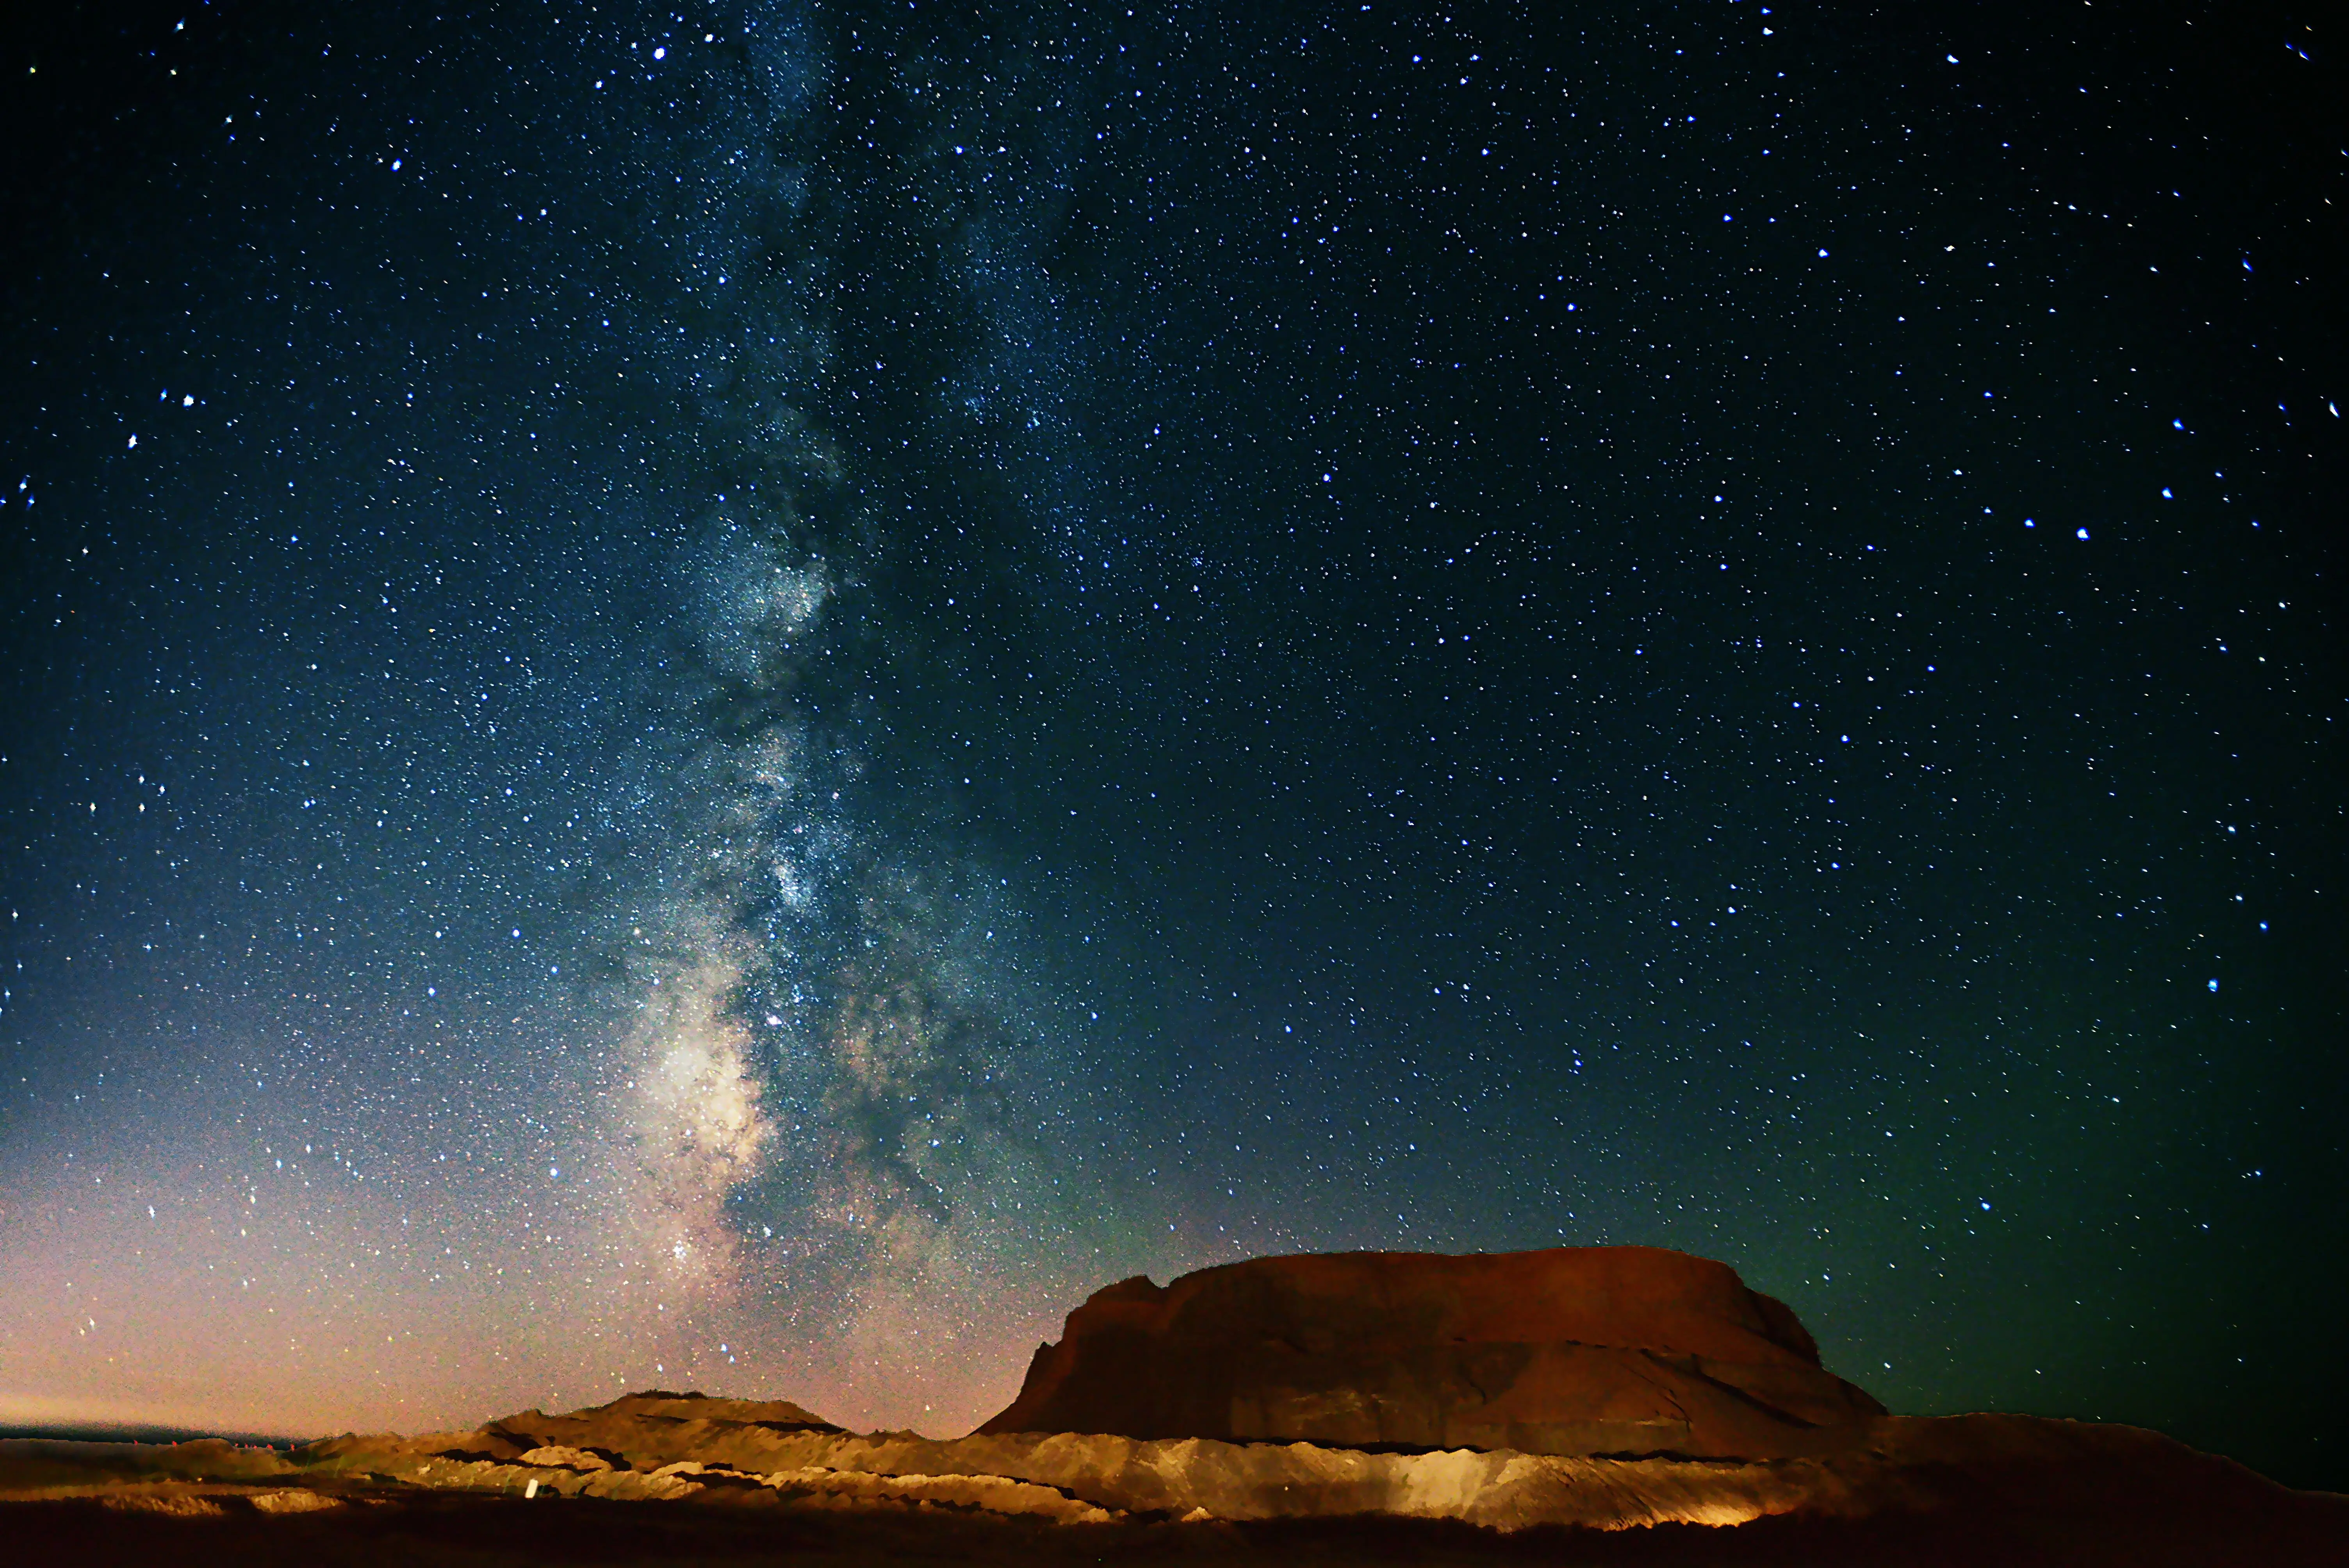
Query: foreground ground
x: 365, y: 1527
x: 670, y: 1479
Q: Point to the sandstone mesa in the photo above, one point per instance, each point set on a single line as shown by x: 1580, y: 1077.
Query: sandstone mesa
x: 1601, y: 1389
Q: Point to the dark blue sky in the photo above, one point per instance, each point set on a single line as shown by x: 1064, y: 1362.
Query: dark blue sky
x: 740, y: 697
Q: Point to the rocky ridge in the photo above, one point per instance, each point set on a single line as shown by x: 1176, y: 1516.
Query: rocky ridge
x: 666, y: 1447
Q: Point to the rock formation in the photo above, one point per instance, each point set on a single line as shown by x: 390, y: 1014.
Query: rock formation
x: 1570, y: 1350
x: 1594, y: 1390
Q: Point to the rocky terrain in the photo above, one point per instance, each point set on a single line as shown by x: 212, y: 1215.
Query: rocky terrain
x: 1572, y: 1350
x: 1654, y: 1411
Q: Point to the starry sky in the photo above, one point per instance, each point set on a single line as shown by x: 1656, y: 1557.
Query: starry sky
x: 737, y: 696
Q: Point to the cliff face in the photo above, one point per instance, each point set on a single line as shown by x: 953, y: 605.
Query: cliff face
x: 1570, y: 1350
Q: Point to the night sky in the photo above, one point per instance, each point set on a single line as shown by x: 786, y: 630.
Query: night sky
x: 736, y: 698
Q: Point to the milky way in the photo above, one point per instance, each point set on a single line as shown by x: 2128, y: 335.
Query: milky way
x: 736, y: 698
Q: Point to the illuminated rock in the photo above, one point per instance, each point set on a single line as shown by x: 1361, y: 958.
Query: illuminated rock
x: 1570, y: 1350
